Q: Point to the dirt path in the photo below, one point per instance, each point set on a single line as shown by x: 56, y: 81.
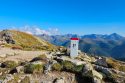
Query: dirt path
x: 49, y: 78
x: 19, y: 55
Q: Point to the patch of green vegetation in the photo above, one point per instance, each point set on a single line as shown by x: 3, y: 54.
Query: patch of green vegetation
x: 9, y: 64
x: 57, y: 67
x: 25, y: 80
x: 12, y: 81
x: 4, y: 71
x: 15, y: 80
x: 43, y: 56
x: 78, y: 68
x: 122, y: 68
x: 67, y: 65
x: 33, y: 68
x: 88, y: 74
x: 2, y: 77
x: 112, y: 78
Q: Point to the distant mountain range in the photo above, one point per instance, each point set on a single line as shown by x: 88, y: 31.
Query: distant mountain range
x: 112, y: 45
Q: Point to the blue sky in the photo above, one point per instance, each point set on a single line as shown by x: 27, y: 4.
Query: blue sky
x: 69, y: 16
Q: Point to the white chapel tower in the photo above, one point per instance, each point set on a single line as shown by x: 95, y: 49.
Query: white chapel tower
x: 74, y: 47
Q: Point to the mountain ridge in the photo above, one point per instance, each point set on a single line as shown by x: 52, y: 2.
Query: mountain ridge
x: 95, y: 44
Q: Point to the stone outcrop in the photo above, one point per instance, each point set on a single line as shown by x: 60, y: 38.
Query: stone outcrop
x: 8, y: 37
x: 101, y: 62
x: 59, y: 80
x: 90, y: 72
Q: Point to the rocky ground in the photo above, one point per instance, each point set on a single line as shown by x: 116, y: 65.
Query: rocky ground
x: 17, y: 66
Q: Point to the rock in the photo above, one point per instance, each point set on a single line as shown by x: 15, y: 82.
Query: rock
x: 84, y: 57
x: 47, y: 67
x: 101, y: 62
x: 54, y: 61
x: 1, y: 81
x: 1, y: 73
x: 2, y: 42
x: 0, y: 64
x: 87, y: 67
x: 75, y: 61
x: 37, y: 62
x: 8, y: 37
x: 20, y: 69
x: 104, y: 70
x: 96, y: 74
x: 87, y: 70
x: 90, y: 72
x: 96, y: 80
x: 8, y: 78
x: 58, y: 53
x: 119, y: 80
x: 59, y: 80
x: 93, y: 59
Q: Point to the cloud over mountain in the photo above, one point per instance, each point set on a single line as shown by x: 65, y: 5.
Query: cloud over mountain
x: 35, y: 30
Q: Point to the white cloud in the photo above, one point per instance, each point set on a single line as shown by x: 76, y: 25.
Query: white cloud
x: 37, y: 30
x: 53, y: 31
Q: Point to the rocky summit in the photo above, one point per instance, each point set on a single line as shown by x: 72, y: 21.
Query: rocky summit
x: 26, y: 59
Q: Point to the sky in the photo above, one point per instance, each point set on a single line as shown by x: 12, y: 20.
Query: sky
x: 64, y: 16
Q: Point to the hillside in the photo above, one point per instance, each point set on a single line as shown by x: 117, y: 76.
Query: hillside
x: 21, y: 40
x: 102, y: 45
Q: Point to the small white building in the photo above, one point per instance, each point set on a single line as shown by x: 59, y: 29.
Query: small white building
x: 74, y: 47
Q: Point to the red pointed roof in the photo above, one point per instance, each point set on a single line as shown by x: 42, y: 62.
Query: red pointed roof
x: 74, y: 38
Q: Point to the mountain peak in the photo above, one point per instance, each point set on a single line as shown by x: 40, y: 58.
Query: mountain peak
x: 115, y: 36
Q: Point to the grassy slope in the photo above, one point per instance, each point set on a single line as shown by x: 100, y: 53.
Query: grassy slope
x: 29, y: 42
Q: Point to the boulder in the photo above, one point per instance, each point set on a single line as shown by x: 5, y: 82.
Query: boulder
x: 93, y: 59
x: 8, y: 78
x: 59, y: 80
x: 101, y: 62
x: 97, y: 75
x: 87, y: 67
x: 97, y: 80
x: 37, y: 62
x: 88, y: 71
x: 84, y: 57
x: 104, y: 70
x: 20, y: 69
x: 74, y: 61
x: 0, y: 64
x: 8, y: 37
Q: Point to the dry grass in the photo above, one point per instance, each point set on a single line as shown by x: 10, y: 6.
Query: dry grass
x: 115, y: 64
x: 28, y: 41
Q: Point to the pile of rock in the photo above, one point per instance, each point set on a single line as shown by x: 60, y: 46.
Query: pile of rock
x: 6, y: 36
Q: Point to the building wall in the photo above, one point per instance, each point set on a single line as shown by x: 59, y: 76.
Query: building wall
x: 74, y: 48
